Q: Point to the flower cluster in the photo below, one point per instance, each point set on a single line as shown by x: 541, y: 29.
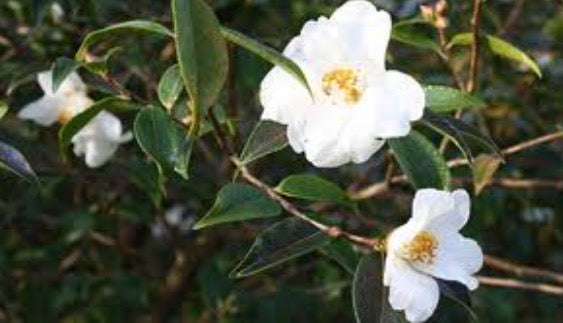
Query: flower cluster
x: 353, y: 106
x: 98, y: 140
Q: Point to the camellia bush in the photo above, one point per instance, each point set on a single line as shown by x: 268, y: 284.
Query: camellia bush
x: 281, y: 161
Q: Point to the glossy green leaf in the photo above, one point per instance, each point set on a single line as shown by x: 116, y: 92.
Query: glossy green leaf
x: 266, y: 138
x: 409, y: 35
x: 238, y: 202
x: 170, y: 87
x: 342, y: 252
x: 136, y: 26
x: 459, y: 293
x: 369, y: 296
x: 468, y: 139
x: 3, y: 109
x: 163, y: 140
x: 201, y: 51
x: 267, y: 53
x: 281, y: 242
x: 500, y: 48
x: 62, y: 68
x: 73, y: 126
x: 421, y: 161
x: 446, y: 99
x: 100, y: 65
x: 484, y: 168
x: 12, y: 160
x: 311, y: 187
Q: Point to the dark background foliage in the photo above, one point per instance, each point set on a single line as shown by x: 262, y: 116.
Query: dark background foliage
x: 93, y: 245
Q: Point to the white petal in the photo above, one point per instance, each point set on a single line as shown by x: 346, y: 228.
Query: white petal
x: 364, y: 30
x: 431, y: 204
x: 386, y: 121
x: 457, y: 258
x: 44, y: 111
x: 98, y: 152
x: 408, y: 94
x: 415, y: 293
x: 72, y: 84
x: 295, y: 136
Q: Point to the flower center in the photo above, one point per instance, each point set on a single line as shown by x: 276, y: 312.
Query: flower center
x: 343, y: 83
x: 422, y: 248
x: 65, y: 114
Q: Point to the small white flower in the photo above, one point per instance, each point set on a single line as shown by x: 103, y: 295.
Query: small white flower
x: 356, y: 102
x: 99, y: 139
x: 57, y: 12
x: 429, y: 245
x: 69, y: 100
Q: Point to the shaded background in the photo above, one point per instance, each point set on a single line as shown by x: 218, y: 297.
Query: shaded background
x: 96, y: 245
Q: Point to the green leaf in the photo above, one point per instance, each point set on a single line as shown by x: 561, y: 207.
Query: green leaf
x: 137, y: 26
x: 266, y: 138
x: 201, y: 50
x: 421, y: 161
x: 500, y: 48
x: 100, y: 65
x: 459, y: 293
x: 312, y: 187
x: 3, y: 109
x: 12, y: 160
x: 468, y: 139
x: 342, y: 252
x: 163, y: 140
x: 73, y: 126
x: 281, y: 242
x: 369, y: 296
x: 170, y: 87
x: 238, y: 202
x: 409, y: 35
x: 267, y: 53
x: 62, y: 68
x: 446, y: 99
x: 484, y: 168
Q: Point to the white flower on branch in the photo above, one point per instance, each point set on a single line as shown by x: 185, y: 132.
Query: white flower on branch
x: 98, y: 140
x: 356, y: 102
x: 430, y: 246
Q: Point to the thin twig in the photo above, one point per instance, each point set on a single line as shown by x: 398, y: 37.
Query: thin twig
x: 517, y: 284
x: 521, y: 270
x: 513, y: 18
x: 514, y: 183
x: 475, y: 46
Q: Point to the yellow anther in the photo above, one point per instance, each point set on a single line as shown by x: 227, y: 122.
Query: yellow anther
x: 422, y: 248
x: 345, y: 81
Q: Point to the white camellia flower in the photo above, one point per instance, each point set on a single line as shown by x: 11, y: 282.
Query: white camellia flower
x: 98, y: 140
x: 429, y: 245
x: 356, y: 103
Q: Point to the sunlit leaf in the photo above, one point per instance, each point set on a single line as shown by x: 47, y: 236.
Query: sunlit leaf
x: 3, y: 109
x: 135, y: 26
x: 501, y: 48
x: 163, y: 140
x: 12, y: 160
x: 201, y: 51
x: 420, y: 161
x: 312, y: 187
x: 484, y: 168
x: 238, y: 202
x: 266, y: 138
x: 281, y: 242
x: 170, y: 87
x: 267, y: 53
x: 445, y: 99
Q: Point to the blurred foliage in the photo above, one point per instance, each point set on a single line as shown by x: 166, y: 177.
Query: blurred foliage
x: 96, y: 245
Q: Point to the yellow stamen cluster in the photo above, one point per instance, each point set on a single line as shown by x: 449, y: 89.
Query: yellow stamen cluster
x: 344, y: 80
x: 422, y: 248
x: 65, y: 114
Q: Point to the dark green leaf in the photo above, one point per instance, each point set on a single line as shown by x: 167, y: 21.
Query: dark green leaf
x: 170, y: 87
x: 267, y: 53
x: 467, y: 138
x: 62, y: 68
x: 238, y: 202
x: 281, y: 242
x: 459, y: 293
x: 163, y: 140
x: 266, y: 138
x: 446, y: 99
x: 421, y: 161
x: 342, y: 252
x: 138, y: 26
x: 12, y: 160
x: 312, y: 187
x: 73, y: 126
x: 501, y: 48
x: 201, y: 50
x: 484, y: 168
x: 409, y: 35
x: 369, y: 296
x: 100, y: 66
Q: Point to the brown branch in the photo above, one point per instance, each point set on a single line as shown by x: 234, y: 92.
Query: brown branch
x: 521, y: 270
x: 475, y: 46
x: 517, y: 284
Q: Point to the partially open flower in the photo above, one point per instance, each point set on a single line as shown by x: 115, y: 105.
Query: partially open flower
x: 430, y: 246
x: 356, y: 102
